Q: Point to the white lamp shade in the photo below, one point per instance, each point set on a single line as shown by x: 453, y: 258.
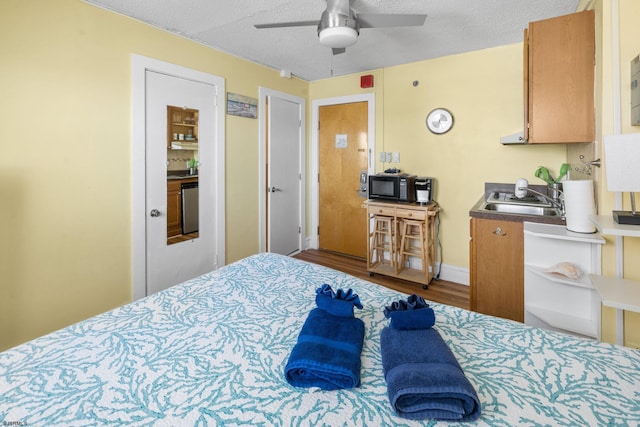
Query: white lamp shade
x: 622, y: 159
x: 338, y: 37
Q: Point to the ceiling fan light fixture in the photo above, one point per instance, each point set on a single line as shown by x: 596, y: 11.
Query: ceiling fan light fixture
x: 338, y: 37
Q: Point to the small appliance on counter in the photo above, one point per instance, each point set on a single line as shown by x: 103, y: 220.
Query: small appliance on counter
x: 424, y: 189
x: 394, y: 187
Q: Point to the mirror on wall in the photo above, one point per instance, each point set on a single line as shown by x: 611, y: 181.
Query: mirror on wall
x: 182, y: 174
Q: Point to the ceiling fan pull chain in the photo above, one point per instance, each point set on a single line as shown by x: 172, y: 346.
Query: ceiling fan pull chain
x: 332, y: 65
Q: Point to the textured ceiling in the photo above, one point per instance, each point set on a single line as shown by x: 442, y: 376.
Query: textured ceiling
x: 452, y: 26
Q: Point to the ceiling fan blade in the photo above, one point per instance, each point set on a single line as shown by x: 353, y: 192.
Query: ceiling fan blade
x: 338, y: 50
x: 287, y: 24
x: 378, y: 20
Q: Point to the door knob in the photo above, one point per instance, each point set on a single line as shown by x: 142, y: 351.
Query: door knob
x: 154, y: 213
x: 275, y: 189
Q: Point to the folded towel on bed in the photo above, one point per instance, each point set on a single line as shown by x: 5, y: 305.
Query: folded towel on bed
x: 327, y: 354
x: 412, y: 313
x: 424, y: 379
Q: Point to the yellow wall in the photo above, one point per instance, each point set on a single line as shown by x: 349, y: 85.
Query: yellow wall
x: 66, y: 147
x: 483, y: 89
x: 628, y: 32
x: 65, y: 180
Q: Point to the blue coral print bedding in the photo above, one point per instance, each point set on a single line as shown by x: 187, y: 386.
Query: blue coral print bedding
x: 212, y: 351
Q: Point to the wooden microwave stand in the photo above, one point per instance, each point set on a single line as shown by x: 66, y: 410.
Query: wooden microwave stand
x: 400, y: 235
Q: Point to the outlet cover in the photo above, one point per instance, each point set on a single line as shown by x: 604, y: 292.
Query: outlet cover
x: 389, y: 157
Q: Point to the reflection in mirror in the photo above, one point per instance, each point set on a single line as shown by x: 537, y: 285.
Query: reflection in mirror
x: 182, y: 174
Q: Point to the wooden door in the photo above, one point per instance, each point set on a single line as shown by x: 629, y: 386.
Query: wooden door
x: 497, y: 272
x: 343, y: 155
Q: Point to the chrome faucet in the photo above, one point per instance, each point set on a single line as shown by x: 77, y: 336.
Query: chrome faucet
x: 559, y: 204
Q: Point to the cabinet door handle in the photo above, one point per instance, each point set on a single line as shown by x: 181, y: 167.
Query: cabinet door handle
x: 498, y: 232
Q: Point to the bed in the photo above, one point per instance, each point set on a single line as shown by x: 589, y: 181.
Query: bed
x: 211, y: 351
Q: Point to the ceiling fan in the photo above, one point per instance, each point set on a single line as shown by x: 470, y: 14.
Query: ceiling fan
x: 339, y: 26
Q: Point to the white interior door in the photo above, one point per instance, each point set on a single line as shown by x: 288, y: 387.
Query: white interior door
x: 284, y: 181
x: 168, y: 265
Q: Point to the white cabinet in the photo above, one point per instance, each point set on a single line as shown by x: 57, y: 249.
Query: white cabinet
x: 552, y: 301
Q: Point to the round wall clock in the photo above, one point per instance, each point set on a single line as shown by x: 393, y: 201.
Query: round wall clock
x: 440, y: 121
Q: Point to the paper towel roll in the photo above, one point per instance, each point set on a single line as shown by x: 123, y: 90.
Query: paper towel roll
x: 579, y: 204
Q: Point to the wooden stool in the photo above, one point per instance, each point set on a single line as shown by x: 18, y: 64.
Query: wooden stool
x: 382, y: 239
x: 412, y: 243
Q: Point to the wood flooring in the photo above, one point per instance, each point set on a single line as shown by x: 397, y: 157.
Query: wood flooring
x: 439, y: 291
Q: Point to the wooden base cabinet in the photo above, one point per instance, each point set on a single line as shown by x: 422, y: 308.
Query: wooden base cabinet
x: 401, y: 240
x: 497, y: 268
x: 174, y: 205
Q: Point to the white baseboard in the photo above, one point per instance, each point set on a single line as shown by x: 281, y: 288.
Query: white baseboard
x: 453, y: 273
x: 311, y: 243
x: 450, y: 273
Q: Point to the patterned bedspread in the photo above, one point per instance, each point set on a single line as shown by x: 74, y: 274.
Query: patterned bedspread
x: 212, y: 351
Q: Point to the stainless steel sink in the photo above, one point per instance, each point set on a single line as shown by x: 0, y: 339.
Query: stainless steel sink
x: 529, y: 199
x: 522, y: 209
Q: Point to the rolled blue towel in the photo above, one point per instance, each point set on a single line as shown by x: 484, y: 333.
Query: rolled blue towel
x: 327, y: 354
x: 424, y: 379
x: 339, y: 303
x: 409, y: 314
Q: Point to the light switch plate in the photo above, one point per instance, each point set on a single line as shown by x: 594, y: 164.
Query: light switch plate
x: 389, y: 157
x: 382, y: 156
x: 396, y: 157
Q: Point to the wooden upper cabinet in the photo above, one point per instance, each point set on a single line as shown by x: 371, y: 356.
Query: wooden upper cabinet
x: 182, y: 127
x: 559, y: 55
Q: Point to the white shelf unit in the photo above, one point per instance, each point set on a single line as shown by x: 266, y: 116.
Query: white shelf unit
x: 617, y: 292
x: 607, y: 226
x: 552, y: 301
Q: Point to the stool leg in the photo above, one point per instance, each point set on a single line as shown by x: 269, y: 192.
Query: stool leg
x: 413, y: 244
x: 378, y: 238
x: 423, y: 248
x: 383, y: 239
x: 401, y: 246
x: 388, y: 239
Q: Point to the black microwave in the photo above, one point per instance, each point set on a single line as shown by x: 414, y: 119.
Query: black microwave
x: 393, y: 187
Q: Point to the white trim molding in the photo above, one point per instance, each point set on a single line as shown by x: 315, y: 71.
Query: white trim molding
x: 139, y: 66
